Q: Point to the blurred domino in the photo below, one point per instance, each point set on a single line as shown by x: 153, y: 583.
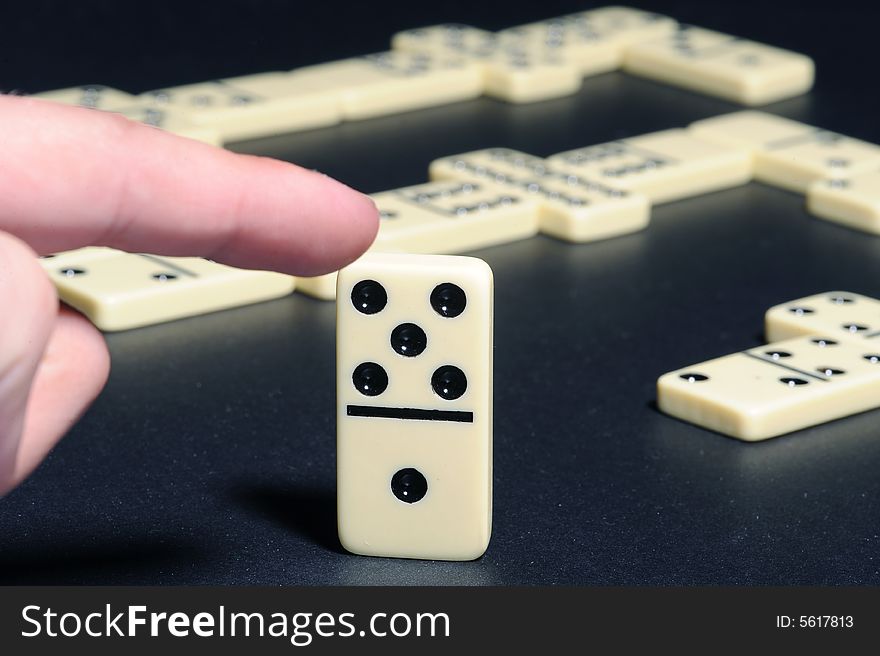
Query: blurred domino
x: 171, y: 121
x: 248, y: 107
x: 118, y: 291
x: 442, y: 218
x: 518, y: 71
x: 853, y: 202
x: 462, y: 40
x: 571, y: 208
x: 593, y: 41
x: 95, y: 96
x: 722, y: 65
x: 787, y: 153
x: 528, y: 73
x: 834, y: 315
x: 775, y: 389
x: 451, y: 217
x: 390, y: 82
x: 414, y: 406
x: 664, y: 166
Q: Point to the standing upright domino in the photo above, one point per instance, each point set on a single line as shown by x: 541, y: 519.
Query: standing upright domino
x: 831, y: 314
x: 787, y: 153
x: 414, y: 406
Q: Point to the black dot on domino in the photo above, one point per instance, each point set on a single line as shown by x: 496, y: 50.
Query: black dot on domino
x: 164, y: 277
x: 449, y: 382
x: 778, y: 355
x: 448, y: 300
x: 793, y: 382
x: 369, y: 297
x: 841, y: 300
x: 408, y: 340
x: 830, y: 371
x: 873, y: 358
x: 822, y: 342
x: 370, y: 379
x: 855, y: 327
x: 694, y: 378
x: 801, y: 311
x: 409, y: 485
x: 70, y: 272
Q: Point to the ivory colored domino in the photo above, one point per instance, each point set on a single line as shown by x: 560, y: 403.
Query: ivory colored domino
x: 528, y: 73
x: 391, y: 82
x: 414, y: 399
x: 442, y: 218
x: 450, y: 217
x: 775, y: 389
x: 250, y: 106
x: 853, y: 202
x: 834, y: 315
x: 593, y: 40
x: 570, y: 207
x: 787, y: 153
x: 65, y: 259
x: 172, y: 122
x: 665, y: 166
x: 721, y: 65
x: 95, y: 96
x: 119, y: 291
x: 462, y: 40
x: 518, y: 71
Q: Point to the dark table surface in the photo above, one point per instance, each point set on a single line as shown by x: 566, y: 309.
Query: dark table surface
x: 210, y: 456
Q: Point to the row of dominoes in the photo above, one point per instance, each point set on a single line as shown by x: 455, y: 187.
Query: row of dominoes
x: 498, y: 195
x: 449, y: 63
x: 823, y: 363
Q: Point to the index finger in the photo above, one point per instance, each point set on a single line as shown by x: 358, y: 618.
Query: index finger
x: 73, y: 177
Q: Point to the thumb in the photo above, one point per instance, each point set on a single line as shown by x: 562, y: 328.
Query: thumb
x: 52, y: 364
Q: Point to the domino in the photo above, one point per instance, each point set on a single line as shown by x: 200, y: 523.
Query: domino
x: 775, y: 389
x: 451, y: 217
x: 442, y: 218
x: 119, y: 291
x: 787, y: 153
x: 414, y: 398
x: 462, y: 40
x: 853, y: 202
x: 836, y: 315
x: 665, y: 166
x: 94, y: 96
x: 721, y: 65
x: 526, y: 73
x: 248, y: 107
x: 593, y: 41
x: 391, y: 82
x: 518, y: 71
x: 571, y: 208
x: 170, y: 121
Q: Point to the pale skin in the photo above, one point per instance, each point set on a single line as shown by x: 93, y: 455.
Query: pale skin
x: 73, y: 177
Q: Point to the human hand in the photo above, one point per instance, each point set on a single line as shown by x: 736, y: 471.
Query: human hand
x: 73, y: 177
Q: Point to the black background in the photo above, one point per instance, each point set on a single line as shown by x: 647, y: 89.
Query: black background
x: 210, y: 456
